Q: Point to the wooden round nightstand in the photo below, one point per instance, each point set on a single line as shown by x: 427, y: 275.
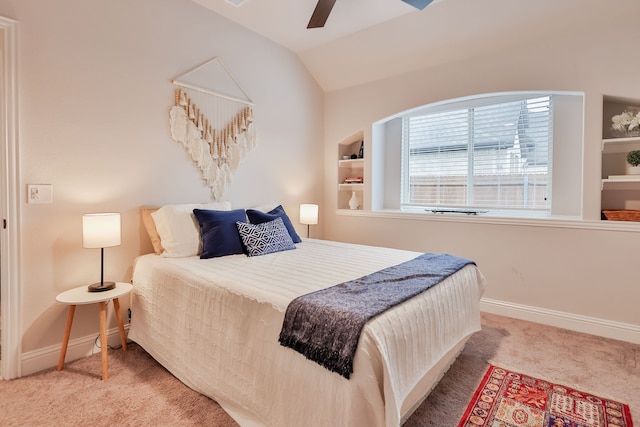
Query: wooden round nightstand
x: 80, y: 296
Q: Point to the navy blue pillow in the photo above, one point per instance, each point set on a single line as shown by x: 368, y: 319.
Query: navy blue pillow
x: 258, y: 217
x: 219, y: 233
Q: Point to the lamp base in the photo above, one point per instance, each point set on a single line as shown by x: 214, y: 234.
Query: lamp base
x: 101, y: 287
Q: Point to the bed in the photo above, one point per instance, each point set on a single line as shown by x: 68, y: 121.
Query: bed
x: 214, y: 324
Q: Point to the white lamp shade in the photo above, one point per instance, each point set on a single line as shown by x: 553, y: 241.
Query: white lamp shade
x: 308, y: 214
x: 100, y: 230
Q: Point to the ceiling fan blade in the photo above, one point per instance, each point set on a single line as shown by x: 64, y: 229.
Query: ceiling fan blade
x: 321, y: 13
x: 418, y: 4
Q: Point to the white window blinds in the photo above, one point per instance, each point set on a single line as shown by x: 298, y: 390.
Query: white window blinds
x: 476, y: 157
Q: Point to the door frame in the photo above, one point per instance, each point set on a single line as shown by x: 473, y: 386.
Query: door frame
x: 10, y: 284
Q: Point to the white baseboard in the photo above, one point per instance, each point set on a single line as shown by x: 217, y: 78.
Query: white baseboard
x: 575, y: 322
x: 47, y: 357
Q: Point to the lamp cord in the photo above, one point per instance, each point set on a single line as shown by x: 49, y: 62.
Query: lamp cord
x: 96, y: 342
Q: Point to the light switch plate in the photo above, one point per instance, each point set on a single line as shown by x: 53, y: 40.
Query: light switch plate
x: 39, y: 193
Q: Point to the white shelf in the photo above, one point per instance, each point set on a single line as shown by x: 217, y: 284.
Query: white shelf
x: 631, y: 182
x: 620, y: 145
x: 351, y: 163
x: 624, y: 178
x: 350, y: 187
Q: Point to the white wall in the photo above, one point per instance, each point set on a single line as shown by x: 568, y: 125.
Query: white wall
x: 94, y: 98
x: 586, y: 270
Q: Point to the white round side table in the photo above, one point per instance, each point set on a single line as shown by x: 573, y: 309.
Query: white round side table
x: 80, y: 296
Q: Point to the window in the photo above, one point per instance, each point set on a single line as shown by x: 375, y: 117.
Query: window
x: 511, y: 154
x: 485, y: 153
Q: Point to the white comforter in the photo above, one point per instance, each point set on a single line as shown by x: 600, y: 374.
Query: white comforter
x: 215, y: 324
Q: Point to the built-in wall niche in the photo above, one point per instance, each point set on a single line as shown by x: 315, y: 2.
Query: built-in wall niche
x: 351, y: 172
x: 620, y: 198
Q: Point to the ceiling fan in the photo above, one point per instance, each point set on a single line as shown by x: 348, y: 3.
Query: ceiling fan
x: 323, y: 9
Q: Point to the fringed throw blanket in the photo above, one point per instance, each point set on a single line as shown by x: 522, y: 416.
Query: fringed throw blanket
x: 325, y: 325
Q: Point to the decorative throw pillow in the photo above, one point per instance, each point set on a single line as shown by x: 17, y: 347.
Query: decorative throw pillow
x: 150, y: 226
x: 219, y: 233
x: 265, y: 238
x: 258, y: 217
x: 178, y: 228
x: 265, y: 207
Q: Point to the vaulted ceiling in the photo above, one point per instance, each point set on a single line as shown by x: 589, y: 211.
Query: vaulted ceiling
x: 368, y: 40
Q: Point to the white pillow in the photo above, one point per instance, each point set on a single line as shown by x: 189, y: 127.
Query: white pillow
x: 266, y: 207
x: 179, y: 230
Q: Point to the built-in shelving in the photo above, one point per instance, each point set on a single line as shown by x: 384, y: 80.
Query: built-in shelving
x: 619, y: 190
x: 349, y: 167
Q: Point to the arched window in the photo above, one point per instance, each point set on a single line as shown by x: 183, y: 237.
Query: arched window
x: 486, y: 154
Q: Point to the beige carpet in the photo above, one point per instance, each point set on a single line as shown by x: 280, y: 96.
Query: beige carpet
x: 139, y: 392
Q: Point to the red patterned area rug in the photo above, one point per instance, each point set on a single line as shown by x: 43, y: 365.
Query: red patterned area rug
x: 510, y: 399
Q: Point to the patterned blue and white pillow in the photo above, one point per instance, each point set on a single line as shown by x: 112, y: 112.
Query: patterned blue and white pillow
x: 265, y: 238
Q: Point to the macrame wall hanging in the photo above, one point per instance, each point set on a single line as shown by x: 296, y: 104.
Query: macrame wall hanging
x: 215, y: 126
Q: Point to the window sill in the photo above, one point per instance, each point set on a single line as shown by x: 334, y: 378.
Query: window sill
x: 546, y: 221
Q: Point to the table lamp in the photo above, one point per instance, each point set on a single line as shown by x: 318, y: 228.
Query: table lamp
x: 101, y: 230
x: 308, y: 215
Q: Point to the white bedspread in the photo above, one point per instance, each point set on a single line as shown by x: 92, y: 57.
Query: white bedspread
x: 215, y: 324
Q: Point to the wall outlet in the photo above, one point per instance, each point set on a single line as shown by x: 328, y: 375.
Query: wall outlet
x: 39, y: 193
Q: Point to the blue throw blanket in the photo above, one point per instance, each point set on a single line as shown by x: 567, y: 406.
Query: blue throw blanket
x: 325, y: 325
